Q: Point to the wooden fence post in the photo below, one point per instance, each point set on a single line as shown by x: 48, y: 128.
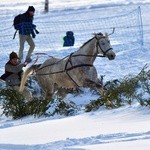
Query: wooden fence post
x: 46, y: 5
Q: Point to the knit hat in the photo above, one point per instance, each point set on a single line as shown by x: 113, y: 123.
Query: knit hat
x: 31, y: 8
x: 13, y: 55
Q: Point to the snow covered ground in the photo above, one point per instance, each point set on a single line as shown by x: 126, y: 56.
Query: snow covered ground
x: 125, y: 128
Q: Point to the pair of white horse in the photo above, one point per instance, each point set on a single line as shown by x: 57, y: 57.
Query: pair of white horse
x: 73, y: 71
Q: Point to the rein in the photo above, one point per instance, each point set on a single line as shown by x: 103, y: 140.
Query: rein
x: 66, y: 69
x: 73, y: 67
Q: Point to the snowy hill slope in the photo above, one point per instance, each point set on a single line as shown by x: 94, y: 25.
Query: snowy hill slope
x: 123, y: 128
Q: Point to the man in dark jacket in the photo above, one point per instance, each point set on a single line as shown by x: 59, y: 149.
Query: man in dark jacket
x: 26, y: 32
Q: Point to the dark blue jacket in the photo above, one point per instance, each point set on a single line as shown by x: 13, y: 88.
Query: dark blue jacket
x: 69, y: 39
x: 26, y: 26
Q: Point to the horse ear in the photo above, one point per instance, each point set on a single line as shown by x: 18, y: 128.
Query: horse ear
x: 100, y: 34
x: 94, y: 34
x: 97, y: 34
x: 106, y: 35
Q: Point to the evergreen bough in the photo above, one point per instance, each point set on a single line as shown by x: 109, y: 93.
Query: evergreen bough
x: 130, y: 88
x: 118, y: 93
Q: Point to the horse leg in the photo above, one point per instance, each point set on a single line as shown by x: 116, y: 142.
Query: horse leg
x: 100, y: 89
x: 47, y: 85
x: 93, y: 84
x: 26, y: 93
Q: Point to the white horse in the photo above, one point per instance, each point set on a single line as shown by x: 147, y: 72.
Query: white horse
x: 75, y: 70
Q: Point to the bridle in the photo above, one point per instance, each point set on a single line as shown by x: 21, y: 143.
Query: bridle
x: 98, y: 45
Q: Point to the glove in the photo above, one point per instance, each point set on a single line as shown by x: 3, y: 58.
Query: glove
x: 33, y: 34
x: 33, y: 26
x: 36, y: 31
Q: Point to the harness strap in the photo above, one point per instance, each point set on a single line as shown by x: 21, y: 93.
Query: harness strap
x: 69, y: 60
x: 77, y: 66
x: 73, y: 67
x: 66, y: 70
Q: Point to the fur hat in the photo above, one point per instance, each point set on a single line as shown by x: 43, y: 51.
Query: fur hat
x: 31, y: 8
x: 13, y: 55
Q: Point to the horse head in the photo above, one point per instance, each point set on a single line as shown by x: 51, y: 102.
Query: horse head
x: 103, y: 46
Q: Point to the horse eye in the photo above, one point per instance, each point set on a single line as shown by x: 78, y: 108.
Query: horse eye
x: 103, y: 43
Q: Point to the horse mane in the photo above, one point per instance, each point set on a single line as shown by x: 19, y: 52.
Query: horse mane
x: 87, y: 42
x: 95, y: 35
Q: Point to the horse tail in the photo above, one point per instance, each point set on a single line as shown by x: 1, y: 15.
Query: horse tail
x: 26, y: 74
